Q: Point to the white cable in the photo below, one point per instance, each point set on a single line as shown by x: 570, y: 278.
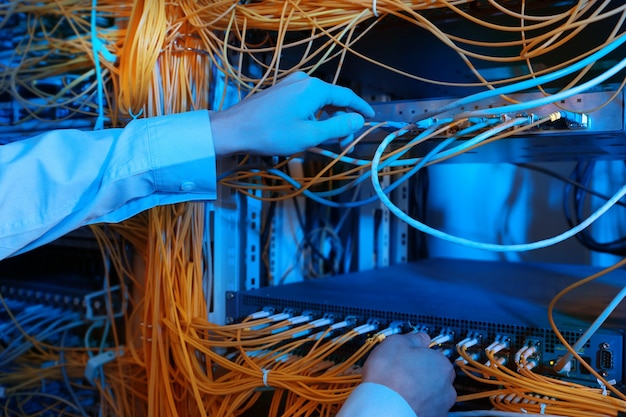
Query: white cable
x: 442, y: 338
x: 265, y: 372
x: 591, y: 330
x: 550, y: 99
x: 536, y: 81
x: 467, y: 242
x: 471, y: 243
x: 374, y: 8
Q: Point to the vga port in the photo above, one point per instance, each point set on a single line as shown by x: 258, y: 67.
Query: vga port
x: 605, y: 358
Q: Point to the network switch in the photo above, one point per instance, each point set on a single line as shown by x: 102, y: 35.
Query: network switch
x: 578, y: 135
x: 454, y: 300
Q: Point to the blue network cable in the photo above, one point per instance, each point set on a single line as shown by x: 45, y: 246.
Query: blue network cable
x: 428, y: 126
x: 471, y: 243
x: 320, y: 197
x: 552, y: 98
x: 40, y: 323
x: 534, y: 82
x: 482, y: 137
x: 419, y: 162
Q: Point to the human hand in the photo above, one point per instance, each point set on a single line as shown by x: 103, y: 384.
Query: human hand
x: 282, y: 120
x: 422, y: 376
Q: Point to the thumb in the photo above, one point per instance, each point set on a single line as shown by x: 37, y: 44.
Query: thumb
x: 338, y: 126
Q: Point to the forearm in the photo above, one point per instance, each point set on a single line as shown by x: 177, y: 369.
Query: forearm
x: 64, y: 179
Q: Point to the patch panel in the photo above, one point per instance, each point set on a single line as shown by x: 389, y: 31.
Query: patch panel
x: 91, y: 304
x: 599, y: 135
x: 467, y: 303
x: 66, y: 298
x: 39, y: 319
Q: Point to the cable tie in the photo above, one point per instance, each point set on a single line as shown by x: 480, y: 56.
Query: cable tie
x: 95, y: 364
x: 542, y: 408
x: 265, y: 372
x: 374, y: 8
x: 523, y: 411
x: 604, y: 391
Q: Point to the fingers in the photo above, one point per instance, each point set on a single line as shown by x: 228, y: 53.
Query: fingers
x: 412, y: 340
x: 343, y: 97
x: 338, y: 126
x: 422, y: 376
x: 292, y: 105
x: 330, y: 94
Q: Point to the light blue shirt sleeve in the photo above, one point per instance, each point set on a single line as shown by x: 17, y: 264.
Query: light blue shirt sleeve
x: 374, y: 400
x: 58, y: 181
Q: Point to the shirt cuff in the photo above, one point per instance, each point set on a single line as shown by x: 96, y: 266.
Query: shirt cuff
x: 182, y: 153
x: 374, y: 400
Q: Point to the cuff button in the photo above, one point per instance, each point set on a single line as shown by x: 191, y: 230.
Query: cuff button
x: 187, y: 186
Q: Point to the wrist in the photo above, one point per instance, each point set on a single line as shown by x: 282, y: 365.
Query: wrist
x: 226, y: 132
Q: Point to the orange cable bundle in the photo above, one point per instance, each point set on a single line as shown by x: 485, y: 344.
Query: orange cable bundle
x: 176, y: 45
x: 525, y: 391
x: 189, y: 366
